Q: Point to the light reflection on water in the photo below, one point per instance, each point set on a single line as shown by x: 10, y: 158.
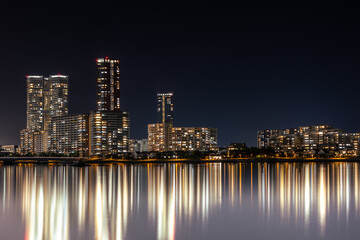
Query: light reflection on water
x: 180, y: 201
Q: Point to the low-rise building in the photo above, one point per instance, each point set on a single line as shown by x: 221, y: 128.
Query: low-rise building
x: 309, y: 139
x: 158, y: 137
x: 164, y: 137
x: 138, y: 145
x: 33, y: 141
x: 192, y: 138
x: 9, y: 149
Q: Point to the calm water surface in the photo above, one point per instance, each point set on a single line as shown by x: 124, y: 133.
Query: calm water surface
x: 181, y: 201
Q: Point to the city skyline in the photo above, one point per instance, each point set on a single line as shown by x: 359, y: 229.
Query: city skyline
x: 267, y: 73
x: 51, y: 130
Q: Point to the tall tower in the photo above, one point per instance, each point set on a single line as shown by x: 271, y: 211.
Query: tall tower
x: 109, y: 126
x: 46, y: 98
x: 165, y: 108
x: 34, y: 102
x: 55, y: 102
x: 108, y: 84
x: 58, y: 92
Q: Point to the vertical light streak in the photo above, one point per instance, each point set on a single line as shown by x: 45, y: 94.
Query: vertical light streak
x: 347, y: 194
x: 307, y: 197
x: 55, y: 201
x: 322, y: 201
x: 356, y: 186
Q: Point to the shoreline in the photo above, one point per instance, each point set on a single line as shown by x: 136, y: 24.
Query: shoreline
x: 88, y: 161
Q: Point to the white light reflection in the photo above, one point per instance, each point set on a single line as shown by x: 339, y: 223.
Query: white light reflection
x: 100, y: 202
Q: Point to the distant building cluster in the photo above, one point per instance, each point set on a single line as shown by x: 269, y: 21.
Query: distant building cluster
x: 310, y: 140
x: 163, y: 136
x: 50, y: 129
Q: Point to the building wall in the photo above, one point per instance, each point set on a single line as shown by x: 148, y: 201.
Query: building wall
x: 108, y: 84
x: 165, y: 108
x: 308, y: 138
x: 109, y: 132
x: 158, y: 136
x: 8, y: 148
x: 58, y: 92
x: 192, y: 138
x: 33, y: 141
x: 34, y: 102
x: 164, y: 137
x: 69, y: 134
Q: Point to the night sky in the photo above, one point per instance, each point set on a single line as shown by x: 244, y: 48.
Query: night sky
x: 236, y: 69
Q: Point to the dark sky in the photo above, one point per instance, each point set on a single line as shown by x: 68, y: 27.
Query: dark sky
x: 236, y: 69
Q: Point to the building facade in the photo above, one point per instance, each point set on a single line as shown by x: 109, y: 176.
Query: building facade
x: 158, y: 137
x: 58, y: 91
x: 309, y: 139
x: 10, y: 149
x: 34, y: 102
x: 109, y: 133
x: 69, y: 135
x: 192, y: 138
x: 33, y: 141
x: 163, y: 137
x: 108, y: 84
x: 109, y: 126
x: 165, y: 108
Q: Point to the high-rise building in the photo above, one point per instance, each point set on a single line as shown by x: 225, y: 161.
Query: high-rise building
x: 50, y: 128
x: 58, y: 86
x: 46, y: 98
x: 109, y: 126
x: 34, y: 102
x: 69, y: 135
x: 110, y: 132
x: 165, y: 108
x: 108, y: 84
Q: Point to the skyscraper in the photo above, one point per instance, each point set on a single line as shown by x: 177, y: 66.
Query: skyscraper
x: 109, y: 126
x: 165, y: 108
x: 34, y: 102
x: 58, y: 93
x: 108, y: 84
x: 46, y: 98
